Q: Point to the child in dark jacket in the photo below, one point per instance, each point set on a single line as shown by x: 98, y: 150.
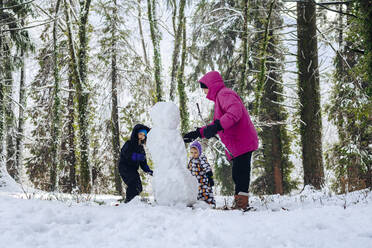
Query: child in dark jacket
x: 132, y: 157
x: 200, y: 168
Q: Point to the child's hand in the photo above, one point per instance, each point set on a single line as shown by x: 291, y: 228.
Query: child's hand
x: 210, y: 178
x: 210, y: 182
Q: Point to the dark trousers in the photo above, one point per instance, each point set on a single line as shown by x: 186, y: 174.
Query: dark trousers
x: 241, y: 172
x: 134, y: 185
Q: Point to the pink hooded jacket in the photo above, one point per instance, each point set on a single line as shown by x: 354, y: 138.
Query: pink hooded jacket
x: 238, y: 134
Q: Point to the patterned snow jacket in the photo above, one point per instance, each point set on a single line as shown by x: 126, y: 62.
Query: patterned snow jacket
x: 199, y: 167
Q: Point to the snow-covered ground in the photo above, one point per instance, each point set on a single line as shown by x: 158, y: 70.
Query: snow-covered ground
x: 310, y: 219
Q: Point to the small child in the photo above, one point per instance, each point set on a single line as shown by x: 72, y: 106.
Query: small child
x: 200, y: 168
x: 132, y: 157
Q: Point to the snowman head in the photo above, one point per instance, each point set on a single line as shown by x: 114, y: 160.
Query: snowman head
x: 165, y: 115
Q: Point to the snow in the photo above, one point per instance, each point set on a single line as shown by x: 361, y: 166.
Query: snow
x: 313, y: 219
x: 172, y: 182
x: 6, y: 181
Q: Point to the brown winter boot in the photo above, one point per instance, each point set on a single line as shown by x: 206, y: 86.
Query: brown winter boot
x: 241, y: 201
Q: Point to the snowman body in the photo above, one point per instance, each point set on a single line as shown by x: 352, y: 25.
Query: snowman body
x: 172, y: 183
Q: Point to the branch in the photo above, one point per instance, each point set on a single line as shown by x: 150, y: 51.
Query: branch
x: 333, y: 10
x: 24, y: 28
x: 50, y: 16
x: 15, y: 6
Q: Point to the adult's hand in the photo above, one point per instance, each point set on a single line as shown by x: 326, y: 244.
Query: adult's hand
x: 211, y: 130
x: 191, y: 136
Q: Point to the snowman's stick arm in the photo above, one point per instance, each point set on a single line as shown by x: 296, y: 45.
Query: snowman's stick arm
x: 218, y: 139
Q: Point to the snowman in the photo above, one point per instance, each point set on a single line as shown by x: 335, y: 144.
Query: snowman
x: 172, y: 182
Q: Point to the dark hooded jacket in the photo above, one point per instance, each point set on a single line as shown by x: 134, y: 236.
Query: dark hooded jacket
x: 127, y: 167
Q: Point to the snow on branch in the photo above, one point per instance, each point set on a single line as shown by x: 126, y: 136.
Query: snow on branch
x: 16, y: 6
x: 29, y: 27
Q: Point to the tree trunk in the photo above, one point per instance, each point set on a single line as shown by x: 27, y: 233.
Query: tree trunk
x: 366, y: 11
x: 79, y: 65
x: 21, y: 118
x: 2, y: 93
x: 177, y: 48
x: 9, y: 116
x: 181, y: 84
x: 74, y: 79
x: 141, y: 33
x: 275, y: 178
x: 114, y: 98
x: 55, y: 130
x: 244, y: 67
x: 311, y: 121
x: 155, y: 38
x: 83, y: 99
x: 71, y: 157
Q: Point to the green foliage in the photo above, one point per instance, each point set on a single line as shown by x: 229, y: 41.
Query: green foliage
x: 37, y: 164
x: 215, y: 41
x: 276, y: 142
x: 350, y: 108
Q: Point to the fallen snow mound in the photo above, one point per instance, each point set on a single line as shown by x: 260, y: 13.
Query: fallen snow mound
x: 314, y: 219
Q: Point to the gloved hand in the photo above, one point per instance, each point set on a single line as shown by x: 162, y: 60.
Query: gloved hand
x: 210, y: 182
x: 138, y: 156
x: 147, y: 170
x: 210, y: 178
x: 211, y: 130
x: 191, y: 136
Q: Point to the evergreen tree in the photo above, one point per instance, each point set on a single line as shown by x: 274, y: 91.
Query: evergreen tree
x: 13, y: 39
x: 79, y: 66
x: 309, y: 94
x: 115, y: 34
x: 216, y: 46
x: 44, y: 164
x: 38, y: 162
x: 350, y: 106
x: 272, y: 164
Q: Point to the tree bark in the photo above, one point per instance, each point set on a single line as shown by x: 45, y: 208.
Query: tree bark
x: 114, y: 99
x: 83, y: 99
x: 310, y: 111
x: 275, y: 154
x: 244, y: 67
x: 21, y: 118
x: 74, y: 79
x: 181, y: 84
x: 9, y: 116
x: 177, y: 48
x: 55, y: 130
x: 2, y: 93
x: 155, y: 38
x: 141, y: 33
x: 79, y: 65
x: 71, y: 157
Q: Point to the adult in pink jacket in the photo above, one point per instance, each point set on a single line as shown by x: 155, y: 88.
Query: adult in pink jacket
x: 232, y: 123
